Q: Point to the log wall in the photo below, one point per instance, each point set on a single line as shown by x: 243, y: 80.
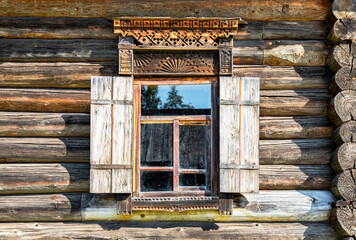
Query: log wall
x: 46, y: 64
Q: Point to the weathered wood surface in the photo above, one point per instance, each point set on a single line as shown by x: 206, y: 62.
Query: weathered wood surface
x: 344, y: 8
x: 273, y: 102
x: 74, y: 177
x: 343, y: 185
x: 286, y: 77
x: 344, y: 79
x: 344, y: 157
x: 168, y: 230
x: 53, y: 75
x: 280, y: 52
x: 275, y: 206
x: 295, y: 151
x: 77, y: 75
x: 346, y: 132
x: 343, y: 107
x: 342, y: 55
x: 26, y: 124
x: 303, y: 10
x: 344, y: 220
x: 343, y: 29
x: 79, y: 50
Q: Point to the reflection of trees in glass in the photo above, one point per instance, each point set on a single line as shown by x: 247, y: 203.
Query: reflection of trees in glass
x: 175, y: 101
x: 150, y: 99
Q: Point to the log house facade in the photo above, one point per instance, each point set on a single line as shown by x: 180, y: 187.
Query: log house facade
x: 301, y: 51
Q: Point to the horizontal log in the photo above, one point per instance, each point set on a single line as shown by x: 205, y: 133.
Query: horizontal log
x: 79, y: 50
x: 53, y: 75
x: 342, y: 55
x: 271, y: 206
x: 344, y: 9
x: 285, y: 77
x: 343, y: 29
x: 344, y: 220
x: 74, y: 177
x: 296, y: 151
x: 343, y: 107
x: 56, y: 28
x: 344, y: 157
x: 25, y: 124
x: 344, y: 79
x: 273, y: 102
x: 343, y: 186
x: 346, y: 132
x: 280, y: 52
x: 171, y: 230
x: 258, y: 10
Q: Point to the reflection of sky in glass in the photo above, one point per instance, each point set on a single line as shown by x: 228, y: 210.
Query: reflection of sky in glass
x: 196, y: 95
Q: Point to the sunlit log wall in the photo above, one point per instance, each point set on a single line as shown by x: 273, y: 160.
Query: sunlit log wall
x: 342, y: 111
x: 48, y: 53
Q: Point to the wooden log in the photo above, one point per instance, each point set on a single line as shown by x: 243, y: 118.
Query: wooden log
x: 344, y: 79
x: 14, y: 124
x: 56, y: 28
x: 44, y: 149
x: 168, y: 230
x: 343, y: 220
x: 343, y: 107
x: 285, y: 77
x: 258, y: 10
x: 280, y: 52
x: 266, y: 205
x: 342, y: 55
x: 346, y: 132
x: 44, y: 178
x: 42, y: 207
x: 295, y: 151
x: 294, y: 127
x: 74, y: 177
x: 343, y: 185
x: 343, y: 29
x: 53, y: 75
x: 273, y: 102
x: 38, y: 50
x: 344, y: 157
x: 344, y: 9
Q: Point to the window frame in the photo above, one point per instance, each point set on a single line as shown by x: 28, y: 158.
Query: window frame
x: 213, y: 182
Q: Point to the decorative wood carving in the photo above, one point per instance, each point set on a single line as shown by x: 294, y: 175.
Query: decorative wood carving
x: 125, y: 55
x: 189, y: 32
x: 169, y: 62
x: 226, y: 58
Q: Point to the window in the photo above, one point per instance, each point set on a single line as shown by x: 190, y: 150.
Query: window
x: 173, y: 138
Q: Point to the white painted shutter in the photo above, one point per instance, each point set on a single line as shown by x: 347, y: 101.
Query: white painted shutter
x: 111, y: 134
x: 239, y: 134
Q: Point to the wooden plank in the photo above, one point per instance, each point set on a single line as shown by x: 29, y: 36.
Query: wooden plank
x: 56, y: 28
x: 285, y: 77
x: 171, y: 230
x: 258, y: 10
x: 53, y: 75
x: 39, y: 50
x: 74, y: 177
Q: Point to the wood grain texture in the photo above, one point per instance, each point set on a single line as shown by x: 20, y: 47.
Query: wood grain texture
x: 343, y: 185
x: 344, y: 8
x: 344, y: 157
x: 74, y: 177
x: 342, y: 55
x: 343, y: 220
x: 343, y: 29
x: 344, y: 79
x: 256, y: 10
x: 343, y: 107
x: 171, y: 230
x: 346, y: 132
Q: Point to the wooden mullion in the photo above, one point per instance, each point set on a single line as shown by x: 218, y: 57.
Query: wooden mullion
x: 192, y: 171
x: 183, y: 193
x: 157, y: 169
x: 137, y: 102
x: 180, y: 118
x: 175, y: 155
x: 214, y: 140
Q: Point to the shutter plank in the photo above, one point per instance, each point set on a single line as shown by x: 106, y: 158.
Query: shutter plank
x: 239, y: 134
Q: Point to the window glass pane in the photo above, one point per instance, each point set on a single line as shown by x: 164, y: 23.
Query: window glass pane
x: 157, y: 144
x: 176, y: 100
x: 190, y: 180
x: 193, y: 146
x: 156, y: 181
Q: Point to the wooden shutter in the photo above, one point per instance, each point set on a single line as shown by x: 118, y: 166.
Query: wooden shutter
x: 111, y: 134
x: 239, y: 134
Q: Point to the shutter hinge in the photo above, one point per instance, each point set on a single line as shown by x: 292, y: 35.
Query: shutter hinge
x: 124, y: 204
